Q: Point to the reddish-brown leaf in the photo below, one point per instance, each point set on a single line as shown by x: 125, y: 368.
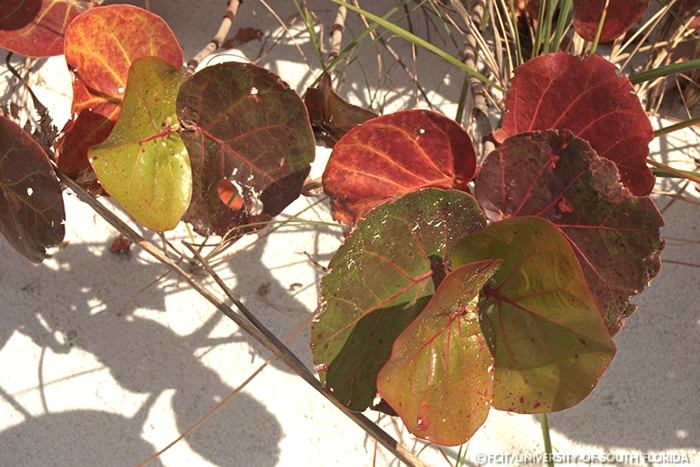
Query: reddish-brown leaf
x: 555, y: 175
x: 588, y: 97
x: 621, y: 15
x: 389, y: 156
x: 121, y: 245
x: 243, y: 36
x: 31, y: 206
x: 101, y: 62
x: 330, y: 115
x: 250, y: 145
x: 35, y: 27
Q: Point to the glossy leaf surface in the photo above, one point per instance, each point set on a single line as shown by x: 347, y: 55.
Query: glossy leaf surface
x: 439, y: 377
x: 31, y: 205
x: 245, y: 125
x: 386, y: 157
x: 379, y: 280
x: 143, y: 164
x: 330, y: 114
x: 35, y: 28
x: 101, y: 63
x: 550, y: 343
x: 588, y: 97
x: 620, y: 16
x: 558, y: 176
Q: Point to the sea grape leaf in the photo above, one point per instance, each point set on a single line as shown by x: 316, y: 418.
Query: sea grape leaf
x: 439, y: 377
x: 588, y: 97
x: 331, y: 116
x: 245, y: 125
x: 31, y: 205
x: 620, y: 16
x: 558, y: 176
x: 388, y: 156
x: 550, y: 344
x: 100, y: 62
x: 379, y: 280
x: 35, y: 28
x: 143, y: 164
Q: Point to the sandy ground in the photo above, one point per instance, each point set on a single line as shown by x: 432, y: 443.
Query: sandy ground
x: 104, y: 364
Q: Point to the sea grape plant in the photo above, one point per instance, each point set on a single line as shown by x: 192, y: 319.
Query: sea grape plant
x: 412, y: 303
x: 458, y: 288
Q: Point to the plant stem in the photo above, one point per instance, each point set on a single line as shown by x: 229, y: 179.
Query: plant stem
x: 253, y: 328
x: 680, y: 67
x: 354, y: 43
x: 547, y: 441
x: 219, y: 37
x: 551, y: 8
x: 599, y: 31
x: 516, y: 32
x: 459, y: 116
x: 403, y: 33
x: 678, y: 126
x: 677, y: 173
x: 563, y: 23
x: 540, y: 28
x: 337, y: 32
x: 479, y: 106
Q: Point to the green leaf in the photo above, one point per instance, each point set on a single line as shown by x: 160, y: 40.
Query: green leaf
x: 550, y: 343
x: 143, y: 164
x: 379, y: 281
x: 439, y: 377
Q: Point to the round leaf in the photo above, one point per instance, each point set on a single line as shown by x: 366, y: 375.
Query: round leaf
x: 379, y: 280
x: 558, y: 176
x: 31, y: 206
x: 619, y: 17
x: 550, y: 343
x: 101, y: 62
x: 386, y: 157
x: 143, y: 164
x: 245, y: 125
x: 35, y: 28
x: 439, y: 377
x: 588, y: 97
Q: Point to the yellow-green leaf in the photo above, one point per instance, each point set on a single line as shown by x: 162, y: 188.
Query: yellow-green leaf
x: 143, y: 164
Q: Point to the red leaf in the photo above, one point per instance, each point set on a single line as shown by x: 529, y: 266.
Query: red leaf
x: 35, y: 27
x: 589, y: 98
x: 389, y: 156
x: 31, y: 206
x: 621, y: 15
x: 101, y: 65
x: 555, y: 175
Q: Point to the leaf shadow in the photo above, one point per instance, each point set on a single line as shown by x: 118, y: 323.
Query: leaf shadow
x: 83, y: 304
